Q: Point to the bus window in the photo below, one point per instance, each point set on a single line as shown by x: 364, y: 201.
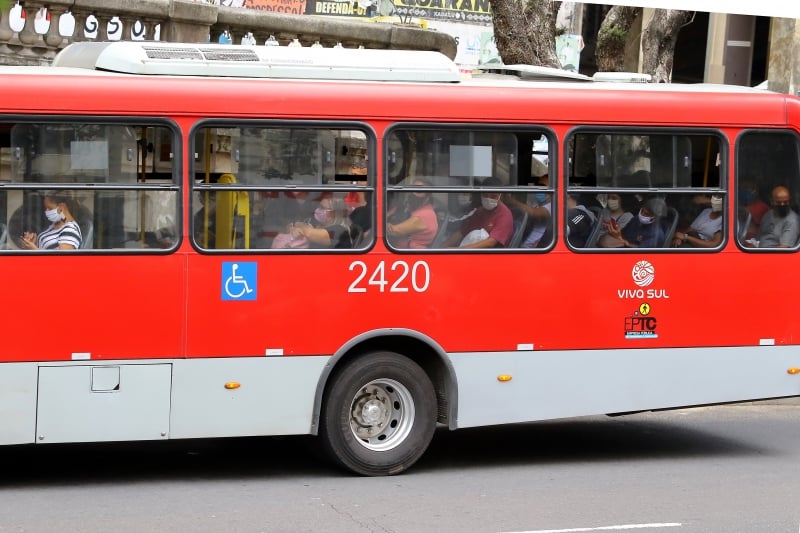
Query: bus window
x: 282, y: 187
x: 459, y: 188
x: 115, y: 181
x: 768, y: 190
x: 649, y: 189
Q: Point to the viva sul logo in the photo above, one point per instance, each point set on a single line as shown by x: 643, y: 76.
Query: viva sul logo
x: 643, y: 275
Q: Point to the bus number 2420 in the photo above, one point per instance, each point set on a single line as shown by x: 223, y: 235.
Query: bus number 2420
x: 402, y: 277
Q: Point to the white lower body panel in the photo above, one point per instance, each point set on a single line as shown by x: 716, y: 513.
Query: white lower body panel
x: 561, y: 384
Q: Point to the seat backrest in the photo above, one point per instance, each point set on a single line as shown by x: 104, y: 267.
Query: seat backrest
x: 3, y: 235
x: 670, y: 225
x: 743, y: 222
x: 520, y: 221
x: 597, y: 227
x: 87, y: 233
x: 441, y: 234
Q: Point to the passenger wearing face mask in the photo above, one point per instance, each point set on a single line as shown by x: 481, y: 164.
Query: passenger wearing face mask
x: 539, y: 208
x: 329, y: 228
x: 706, y: 230
x: 490, y: 226
x: 780, y: 226
x: 63, y: 233
x: 419, y: 229
x: 644, y: 230
x: 613, y: 215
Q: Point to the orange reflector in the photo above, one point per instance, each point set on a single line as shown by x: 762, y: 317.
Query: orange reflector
x: 794, y: 370
x: 503, y: 377
x: 232, y: 385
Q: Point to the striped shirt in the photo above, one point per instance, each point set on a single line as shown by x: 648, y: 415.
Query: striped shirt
x: 69, y: 233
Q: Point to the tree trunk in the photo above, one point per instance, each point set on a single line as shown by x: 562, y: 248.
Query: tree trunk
x: 614, y: 36
x: 658, y: 42
x: 525, y: 31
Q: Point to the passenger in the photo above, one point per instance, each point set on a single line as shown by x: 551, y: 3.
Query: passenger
x: 613, y: 215
x: 64, y: 233
x: 580, y: 221
x: 780, y: 226
x: 645, y: 230
x: 490, y: 226
x: 330, y: 227
x: 419, y: 229
x: 706, y: 230
x: 539, y: 209
x: 751, y: 200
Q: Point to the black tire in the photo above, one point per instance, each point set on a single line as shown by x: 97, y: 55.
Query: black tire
x: 378, y: 414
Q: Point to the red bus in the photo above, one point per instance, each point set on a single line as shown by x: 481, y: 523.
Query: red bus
x: 217, y: 241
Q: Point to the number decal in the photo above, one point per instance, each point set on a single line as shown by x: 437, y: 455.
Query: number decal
x: 420, y: 276
x: 354, y: 286
x: 378, y: 277
x: 415, y: 276
x: 396, y: 285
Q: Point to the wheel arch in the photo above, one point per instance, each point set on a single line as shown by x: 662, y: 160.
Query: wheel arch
x: 418, y: 347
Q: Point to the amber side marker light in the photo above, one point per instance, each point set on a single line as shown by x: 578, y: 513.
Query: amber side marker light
x: 794, y: 370
x: 232, y: 385
x: 503, y: 378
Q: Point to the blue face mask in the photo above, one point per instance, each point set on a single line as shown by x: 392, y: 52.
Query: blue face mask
x: 746, y: 197
x: 540, y: 197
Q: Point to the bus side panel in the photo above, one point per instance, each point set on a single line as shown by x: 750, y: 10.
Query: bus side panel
x: 244, y: 396
x: 107, y: 402
x: 77, y: 307
x: 17, y: 403
x: 562, y: 384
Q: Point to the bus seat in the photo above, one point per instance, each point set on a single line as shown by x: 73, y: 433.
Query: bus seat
x: 743, y: 221
x: 3, y: 235
x: 520, y: 221
x: 87, y: 233
x: 441, y: 234
x: 670, y: 225
x: 597, y: 227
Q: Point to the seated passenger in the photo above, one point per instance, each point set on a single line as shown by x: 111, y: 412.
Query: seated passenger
x: 643, y: 231
x: 580, y: 221
x: 490, y: 226
x: 330, y: 227
x: 539, y: 208
x: 750, y: 200
x: 706, y: 230
x: 64, y: 233
x: 419, y: 229
x: 780, y: 226
x: 613, y: 215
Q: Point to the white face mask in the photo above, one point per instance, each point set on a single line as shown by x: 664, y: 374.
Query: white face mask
x: 613, y: 204
x: 464, y: 199
x: 645, y: 219
x: 53, y: 215
x: 489, y: 203
x: 716, y: 204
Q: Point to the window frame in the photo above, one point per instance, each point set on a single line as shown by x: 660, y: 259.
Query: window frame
x: 176, y: 185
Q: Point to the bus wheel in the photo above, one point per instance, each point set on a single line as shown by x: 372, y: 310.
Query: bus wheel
x: 379, y: 414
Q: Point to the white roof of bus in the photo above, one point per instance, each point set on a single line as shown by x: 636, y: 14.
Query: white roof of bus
x: 340, y: 64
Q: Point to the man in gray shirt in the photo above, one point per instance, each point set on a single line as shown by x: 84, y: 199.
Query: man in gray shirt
x: 780, y: 227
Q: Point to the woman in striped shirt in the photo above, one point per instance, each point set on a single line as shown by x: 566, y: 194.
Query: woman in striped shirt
x: 63, y: 232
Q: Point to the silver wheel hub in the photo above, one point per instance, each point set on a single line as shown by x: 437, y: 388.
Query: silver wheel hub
x: 382, y: 414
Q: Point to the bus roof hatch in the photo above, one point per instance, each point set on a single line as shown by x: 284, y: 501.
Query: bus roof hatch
x: 181, y: 59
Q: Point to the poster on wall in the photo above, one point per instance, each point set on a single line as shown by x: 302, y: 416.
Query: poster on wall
x: 475, y: 43
x: 475, y: 11
x: 568, y: 50
x: 292, y: 7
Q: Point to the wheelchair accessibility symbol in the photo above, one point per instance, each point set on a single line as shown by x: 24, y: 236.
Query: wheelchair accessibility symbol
x: 239, y: 281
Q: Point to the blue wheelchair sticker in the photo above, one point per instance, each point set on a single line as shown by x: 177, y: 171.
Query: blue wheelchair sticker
x: 239, y: 280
